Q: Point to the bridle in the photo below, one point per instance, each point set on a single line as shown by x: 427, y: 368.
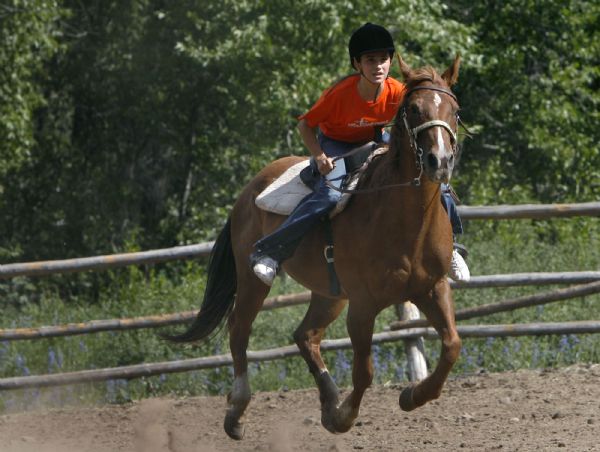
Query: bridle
x: 413, y: 134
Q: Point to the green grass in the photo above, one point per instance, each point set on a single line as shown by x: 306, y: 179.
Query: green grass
x: 500, y: 247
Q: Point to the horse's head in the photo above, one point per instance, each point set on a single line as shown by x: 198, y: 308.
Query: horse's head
x: 429, y: 116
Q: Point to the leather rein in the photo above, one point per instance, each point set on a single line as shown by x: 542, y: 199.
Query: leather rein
x: 413, y: 134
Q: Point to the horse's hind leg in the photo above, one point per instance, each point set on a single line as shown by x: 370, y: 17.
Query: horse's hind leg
x: 249, y: 299
x: 439, y: 310
x: 321, y: 312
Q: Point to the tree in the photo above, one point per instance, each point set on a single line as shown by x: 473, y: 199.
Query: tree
x: 155, y: 114
x: 535, y: 99
x: 29, y: 32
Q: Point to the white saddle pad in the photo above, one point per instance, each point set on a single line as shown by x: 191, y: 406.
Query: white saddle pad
x: 285, y: 192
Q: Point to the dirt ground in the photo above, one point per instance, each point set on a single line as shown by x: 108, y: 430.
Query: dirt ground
x: 514, y: 411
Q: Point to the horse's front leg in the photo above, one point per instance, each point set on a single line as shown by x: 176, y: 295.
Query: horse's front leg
x: 360, y: 322
x: 438, y: 307
x: 321, y: 312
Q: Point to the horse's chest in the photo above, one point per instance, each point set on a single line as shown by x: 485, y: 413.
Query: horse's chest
x: 404, y: 280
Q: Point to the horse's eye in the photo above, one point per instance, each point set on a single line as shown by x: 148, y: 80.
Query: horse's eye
x: 414, y: 109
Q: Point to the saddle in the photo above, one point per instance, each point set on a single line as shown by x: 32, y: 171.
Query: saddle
x: 299, y: 180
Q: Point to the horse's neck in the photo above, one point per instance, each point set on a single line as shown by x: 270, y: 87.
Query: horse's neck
x: 400, y: 167
x: 401, y: 212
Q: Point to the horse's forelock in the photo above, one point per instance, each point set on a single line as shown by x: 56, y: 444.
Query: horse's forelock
x: 424, y: 74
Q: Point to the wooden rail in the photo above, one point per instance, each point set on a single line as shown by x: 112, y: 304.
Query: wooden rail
x: 104, y: 262
x: 527, y: 279
x: 147, y: 370
x: 151, y: 321
x: 532, y: 211
x: 526, y: 301
x: 282, y: 301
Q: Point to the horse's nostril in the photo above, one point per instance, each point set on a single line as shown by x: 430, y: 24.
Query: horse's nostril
x: 451, y: 159
x: 432, y: 161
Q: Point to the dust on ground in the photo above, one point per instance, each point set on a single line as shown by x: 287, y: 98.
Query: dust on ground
x: 525, y: 410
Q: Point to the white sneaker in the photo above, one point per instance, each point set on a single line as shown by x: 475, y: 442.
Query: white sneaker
x: 458, y: 268
x: 266, y: 269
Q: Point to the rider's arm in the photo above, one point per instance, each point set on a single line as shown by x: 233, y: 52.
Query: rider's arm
x: 309, y: 137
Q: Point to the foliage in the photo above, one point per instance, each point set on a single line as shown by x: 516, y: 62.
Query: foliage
x: 133, y: 125
x: 147, y: 123
x: 535, y: 101
x: 29, y: 39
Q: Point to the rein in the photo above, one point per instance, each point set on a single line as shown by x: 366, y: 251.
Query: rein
x: 413, y: 134
x: 413, y: 183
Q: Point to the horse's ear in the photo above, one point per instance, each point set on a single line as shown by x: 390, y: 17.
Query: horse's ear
x: 404, y: 68
x: 451, y: 74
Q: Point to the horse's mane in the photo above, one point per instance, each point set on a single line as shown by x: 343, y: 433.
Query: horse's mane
x: 424, y: 74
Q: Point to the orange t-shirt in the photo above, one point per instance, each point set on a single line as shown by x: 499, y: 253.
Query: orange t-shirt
x: 343, y: 115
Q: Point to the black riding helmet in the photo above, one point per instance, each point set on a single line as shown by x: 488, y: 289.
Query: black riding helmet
x: 370, y: 38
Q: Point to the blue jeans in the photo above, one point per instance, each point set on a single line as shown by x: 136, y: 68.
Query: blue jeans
x: 281, y: 243
x: 450, y: 206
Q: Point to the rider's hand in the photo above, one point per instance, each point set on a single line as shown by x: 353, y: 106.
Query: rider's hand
x: 324, y: 163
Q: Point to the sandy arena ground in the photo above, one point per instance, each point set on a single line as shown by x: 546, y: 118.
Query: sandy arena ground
x: 514, y: 411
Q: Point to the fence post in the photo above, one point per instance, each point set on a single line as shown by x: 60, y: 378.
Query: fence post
x: 415, y: 347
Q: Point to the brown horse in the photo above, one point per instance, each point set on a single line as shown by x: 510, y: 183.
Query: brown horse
x: 393, y: 243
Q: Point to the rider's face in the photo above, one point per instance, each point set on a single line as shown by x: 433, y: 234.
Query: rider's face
x: 374, y: 65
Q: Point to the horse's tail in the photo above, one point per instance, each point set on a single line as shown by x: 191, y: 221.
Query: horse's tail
x: 219, y: 295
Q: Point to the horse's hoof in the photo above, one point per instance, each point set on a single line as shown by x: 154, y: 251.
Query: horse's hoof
x: 345, y: 417
x: 343, y: 428
x: 327, y: 423
x: 407, y: 402
x: 233, y: 427
x: 340, y: 419
x: 329, y: 419
x: 334, y: 427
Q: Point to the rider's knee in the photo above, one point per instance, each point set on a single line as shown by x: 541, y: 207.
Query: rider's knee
x: 333, y: 197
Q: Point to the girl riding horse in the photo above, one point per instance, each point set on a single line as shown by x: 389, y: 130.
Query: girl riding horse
x: 393, y: 244
x: 348, y: 115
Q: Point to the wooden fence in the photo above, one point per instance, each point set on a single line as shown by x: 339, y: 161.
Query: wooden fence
x: 531, y: 211
x: 281, y: 301
x: 410, y: 330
